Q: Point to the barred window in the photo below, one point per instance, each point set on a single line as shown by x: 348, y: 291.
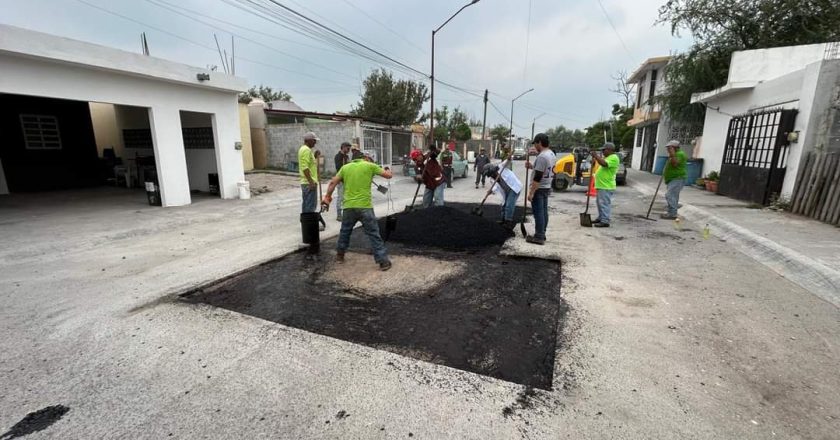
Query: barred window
x: 40, y: 132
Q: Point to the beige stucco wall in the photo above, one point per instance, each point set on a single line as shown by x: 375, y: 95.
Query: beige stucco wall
x: 245, y: 133
x: 105, y: 127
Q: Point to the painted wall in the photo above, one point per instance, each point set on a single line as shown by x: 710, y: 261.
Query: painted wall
x: 105, y: 127
x: 38, y: 64
x: 245, y: 135
x: 765, y: 64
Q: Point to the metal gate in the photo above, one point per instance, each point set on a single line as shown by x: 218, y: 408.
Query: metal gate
x: 649, y: 146
x: 378, y: 144
x: 755, y: 155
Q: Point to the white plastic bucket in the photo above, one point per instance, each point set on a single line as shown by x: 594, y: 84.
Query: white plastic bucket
x: 244, y: 190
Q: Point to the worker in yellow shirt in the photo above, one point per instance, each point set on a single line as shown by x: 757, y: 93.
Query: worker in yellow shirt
x: 308, y: 169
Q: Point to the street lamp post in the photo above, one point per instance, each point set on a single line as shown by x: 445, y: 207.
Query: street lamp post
x: 533, y: 123
x: 511, y: 112
x: 432, y: 77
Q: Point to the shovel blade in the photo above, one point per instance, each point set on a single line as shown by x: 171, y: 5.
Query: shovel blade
x: 382, y: 189
x: 585, y: 220
x: 478, y: 211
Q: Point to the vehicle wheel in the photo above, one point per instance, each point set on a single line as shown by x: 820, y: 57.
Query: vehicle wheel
x: 560, y: 183
x: 464, y: 176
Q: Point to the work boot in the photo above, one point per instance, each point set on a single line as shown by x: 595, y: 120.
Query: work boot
x: 339, y: 257
x: 601, y: 225
x: 535, y: 240
x: 385, y: 265
x: 667, y: 216
x: 509, y: 225
x: 476, y: 186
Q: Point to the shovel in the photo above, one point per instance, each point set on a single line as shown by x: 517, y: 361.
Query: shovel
x: 381, y: 188
x: 525, y: 204
x: 479, y: 210
x: 410, y: 208
x: 647, y: 216
x: 585, y: 217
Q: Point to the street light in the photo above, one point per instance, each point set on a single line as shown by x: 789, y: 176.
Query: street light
x: 533, y: 123
x: 432, y: 98
x: 511, y: 109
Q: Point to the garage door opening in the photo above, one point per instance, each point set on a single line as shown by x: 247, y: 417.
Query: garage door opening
x: 200, y: 152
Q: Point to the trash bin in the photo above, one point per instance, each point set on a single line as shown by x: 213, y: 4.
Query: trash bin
x: 693, y: 171
x: 153, y: 193
x: 244, y: 189
x: 310, y: 232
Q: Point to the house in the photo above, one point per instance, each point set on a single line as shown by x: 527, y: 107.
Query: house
x: 778, y: 105
x: 73, y: 113
x: 653, y: 128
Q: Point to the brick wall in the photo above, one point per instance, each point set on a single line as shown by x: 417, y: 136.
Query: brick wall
x: 284, y: 140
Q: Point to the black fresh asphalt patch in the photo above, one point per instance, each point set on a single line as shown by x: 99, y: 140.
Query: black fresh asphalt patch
x: 36, y: 421
x: 500, y: 317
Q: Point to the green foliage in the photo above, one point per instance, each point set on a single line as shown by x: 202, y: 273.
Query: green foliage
x: 397, y: 102
x: 561, y: 136
x: 500, y: 133
x: 453, y: 125
x: 720, y: 27
x: 266, y: 93
x: 713, y: 176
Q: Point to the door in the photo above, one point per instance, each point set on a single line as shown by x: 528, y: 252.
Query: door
x: 649, y: 147
x: 755, y: 155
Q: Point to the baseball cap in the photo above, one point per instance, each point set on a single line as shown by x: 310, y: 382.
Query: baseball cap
x: 609, y: 145
x: 673, y: 143
x: 310, y: 137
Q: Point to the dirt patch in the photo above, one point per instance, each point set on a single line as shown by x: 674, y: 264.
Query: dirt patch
x: 479, y: 312
x: 36, y: 421
x: 271, y: 182
x: 633, y: 301
x: 410, y: 275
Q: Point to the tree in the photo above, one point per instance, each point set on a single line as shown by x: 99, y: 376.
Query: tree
x: 720, y: 27
x: 622, y: 88
x: 397, y: 102
x: 266, y: 93
x: 454, y: 125
x: 561, y: 136
x: 500, y: 133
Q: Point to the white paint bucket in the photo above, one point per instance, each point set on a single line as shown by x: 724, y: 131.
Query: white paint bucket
x: 244, y: 190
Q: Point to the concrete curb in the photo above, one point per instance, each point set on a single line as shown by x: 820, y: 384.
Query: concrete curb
x: 804, y: 271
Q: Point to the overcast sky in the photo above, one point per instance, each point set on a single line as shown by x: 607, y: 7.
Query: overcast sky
x: 567, y: 54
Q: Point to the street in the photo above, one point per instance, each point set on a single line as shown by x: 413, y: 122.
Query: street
x: 667, y: 334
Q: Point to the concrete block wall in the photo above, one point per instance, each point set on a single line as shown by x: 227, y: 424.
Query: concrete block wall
x: 284, y: 140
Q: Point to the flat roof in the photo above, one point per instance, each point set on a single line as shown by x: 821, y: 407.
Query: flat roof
x: 724, y: 91
x: 650, y: 63
x: 27, y: 43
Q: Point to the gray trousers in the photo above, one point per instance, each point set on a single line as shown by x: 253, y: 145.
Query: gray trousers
x: 672, y: 196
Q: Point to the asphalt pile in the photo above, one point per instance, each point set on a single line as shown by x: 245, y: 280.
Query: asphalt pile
x: 445, y: 227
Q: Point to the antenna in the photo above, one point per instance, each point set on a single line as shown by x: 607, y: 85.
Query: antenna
x: 219, y: 48
x: 144, y: 44
x: 232, y: 57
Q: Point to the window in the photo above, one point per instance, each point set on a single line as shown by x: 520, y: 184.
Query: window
x: 639, y: 95
x: 40, y: 132
x: 652, y: 85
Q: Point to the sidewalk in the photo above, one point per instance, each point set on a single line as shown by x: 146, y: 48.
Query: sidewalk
x: 805, y: 251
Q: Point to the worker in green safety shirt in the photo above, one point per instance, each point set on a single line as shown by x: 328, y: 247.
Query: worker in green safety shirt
x: 605, y: 183
x: 358, y: 205
x: 674, y: 177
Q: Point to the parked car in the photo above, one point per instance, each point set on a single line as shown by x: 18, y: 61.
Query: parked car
x: 518, y: 154
x: 621, y: 174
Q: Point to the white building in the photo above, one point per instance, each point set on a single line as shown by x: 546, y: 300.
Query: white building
x: 60, y: 97
x: 777, y: 105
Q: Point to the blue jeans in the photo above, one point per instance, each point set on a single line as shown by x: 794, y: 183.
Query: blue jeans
x: 604, y: 205
x: 349, y: 217
x: 673, y: 195
x: 509, y: 206
x: 310, y: 199
x: 539, y: 206
x: 434, y: 195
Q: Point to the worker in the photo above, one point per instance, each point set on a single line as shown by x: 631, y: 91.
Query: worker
x: 341, y: 159
x: 446, y: 162
x: 508, y: 186
x: 432, y: 177
x: 605, y: 183
x: 674, y: 177
x: 481, y: 161
x: 540, y: 187
x: 308, y: 170
x: 357, y: 177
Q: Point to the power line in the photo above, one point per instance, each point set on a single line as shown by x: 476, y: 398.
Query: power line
x: 609, y: 20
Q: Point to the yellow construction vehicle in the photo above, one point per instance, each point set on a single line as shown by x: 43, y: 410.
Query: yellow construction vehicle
x: 572, y: 168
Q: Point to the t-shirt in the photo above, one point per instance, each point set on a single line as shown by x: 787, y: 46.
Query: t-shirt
x: 545, y: 163
x: 306, y: 161
x: 605, y: 176
x: 675, y: 172
x: 357, y: 176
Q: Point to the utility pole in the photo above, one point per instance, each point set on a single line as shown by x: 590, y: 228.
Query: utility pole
x: 484, y: 124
